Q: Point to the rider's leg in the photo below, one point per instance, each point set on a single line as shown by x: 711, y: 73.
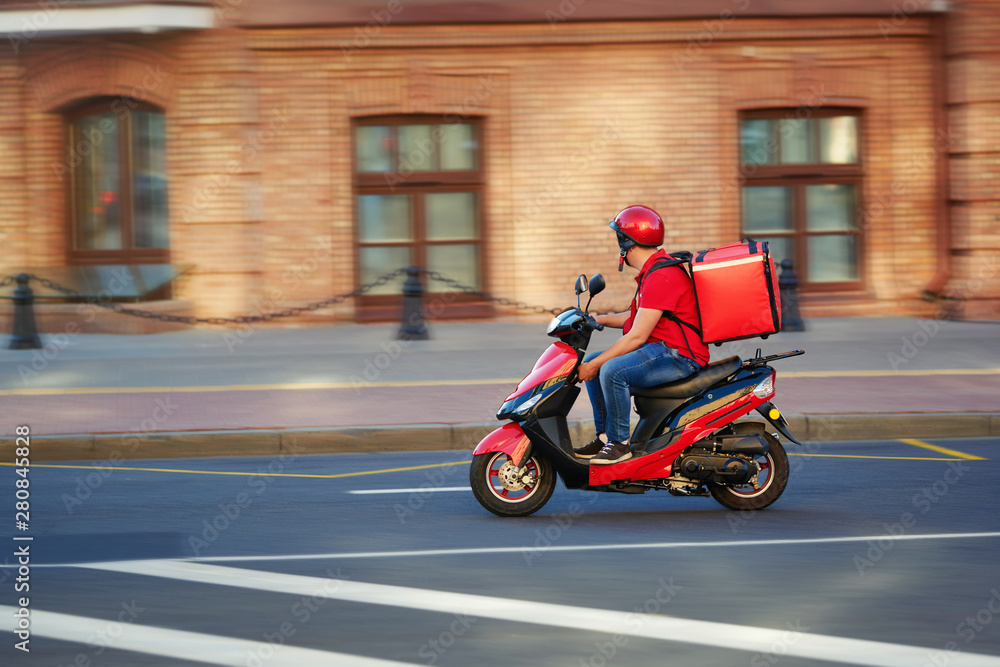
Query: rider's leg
x: 596, y: 396
x: 649, y: 365
x: 600, y: 414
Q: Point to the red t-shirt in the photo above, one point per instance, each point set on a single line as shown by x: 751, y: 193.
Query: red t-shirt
x: 670, y: 289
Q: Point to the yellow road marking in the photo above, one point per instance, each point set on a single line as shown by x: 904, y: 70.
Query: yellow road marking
x: 858, y: 456
x: 248, y: 474
x: 943, y: 450
x: 294, y: 386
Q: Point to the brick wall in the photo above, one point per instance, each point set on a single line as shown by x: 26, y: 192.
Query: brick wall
x: 580, y: 120
x: 633, y: 114
x: 973, y: 63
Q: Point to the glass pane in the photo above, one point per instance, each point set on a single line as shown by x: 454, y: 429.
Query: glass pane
x: 378, y: 261
x: 458, y: 262
x: 96, y: 183
x: 458, y: 146
x: 451, y: 216
x: 374, y: 147
x: 767, y: 209
x: 756, y: 143
x: 833, y: 259
x: 781, y: 247
x: 796, y: 141
x: 417, y: 149
x: 150, y: 224
x: 830, y: 208
x: 838, y: 139
x: 384, y: 218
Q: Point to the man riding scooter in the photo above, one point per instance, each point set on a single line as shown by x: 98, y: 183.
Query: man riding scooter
x: 661, y: 342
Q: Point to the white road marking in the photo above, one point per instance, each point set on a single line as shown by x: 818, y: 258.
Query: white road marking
x: 183, y: 645
x: 605, y: 622
x: 361, y: 492
x: 587, y: 547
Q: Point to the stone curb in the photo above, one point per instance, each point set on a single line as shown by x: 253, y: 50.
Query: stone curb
x: 426, y: 437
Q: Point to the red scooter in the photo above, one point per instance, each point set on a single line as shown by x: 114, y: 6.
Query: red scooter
x: 686, y: 441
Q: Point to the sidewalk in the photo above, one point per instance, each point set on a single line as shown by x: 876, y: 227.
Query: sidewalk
x: 212, y: 392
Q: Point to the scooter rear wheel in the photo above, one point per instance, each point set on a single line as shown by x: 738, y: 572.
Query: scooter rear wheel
x: 496, y: 488
x: 774, y: 470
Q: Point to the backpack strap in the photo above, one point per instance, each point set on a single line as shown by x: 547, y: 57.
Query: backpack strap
x: 657, y: 265
x: 678, y: 258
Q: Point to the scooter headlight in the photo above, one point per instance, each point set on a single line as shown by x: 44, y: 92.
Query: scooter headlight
x: 766, y: 388
x: 553, y: 325
x: 528, y: 404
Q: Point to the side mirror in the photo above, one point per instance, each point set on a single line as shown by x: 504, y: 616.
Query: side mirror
x: 581, y: 284
x: 596, y: 285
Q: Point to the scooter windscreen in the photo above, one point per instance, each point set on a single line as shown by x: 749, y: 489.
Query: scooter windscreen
x: 565, y: 322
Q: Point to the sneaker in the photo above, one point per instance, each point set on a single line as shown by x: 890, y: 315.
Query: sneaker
x: 589, y: 450
x: 613, y: 452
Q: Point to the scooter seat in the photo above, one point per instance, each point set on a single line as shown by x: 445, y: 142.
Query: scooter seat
x: 692, y: 384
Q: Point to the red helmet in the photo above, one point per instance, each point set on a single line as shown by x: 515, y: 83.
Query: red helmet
x: 637, y: 225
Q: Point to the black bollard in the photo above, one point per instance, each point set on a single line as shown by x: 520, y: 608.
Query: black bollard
x: 412, y: 326
x: 788, y: 284
x: 25, y: 333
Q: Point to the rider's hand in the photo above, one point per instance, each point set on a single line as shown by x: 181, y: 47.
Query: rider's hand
x: 588, y: 371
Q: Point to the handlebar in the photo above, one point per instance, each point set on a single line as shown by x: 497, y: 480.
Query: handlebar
x: 588, y: 322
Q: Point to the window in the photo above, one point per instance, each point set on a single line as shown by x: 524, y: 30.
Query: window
x: 117, y: 184
x: 418, y: 202
x: 801, y: 191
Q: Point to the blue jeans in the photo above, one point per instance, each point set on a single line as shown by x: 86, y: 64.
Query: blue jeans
x: 647, y: 366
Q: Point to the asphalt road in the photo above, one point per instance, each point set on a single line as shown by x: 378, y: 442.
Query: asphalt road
x: 277, y: 561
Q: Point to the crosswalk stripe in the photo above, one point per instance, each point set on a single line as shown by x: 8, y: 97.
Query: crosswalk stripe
x: 568, y: 548
x: 183, y: 645
x: 605, y: 622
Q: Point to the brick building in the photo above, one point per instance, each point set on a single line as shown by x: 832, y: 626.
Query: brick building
x: 282, y: 153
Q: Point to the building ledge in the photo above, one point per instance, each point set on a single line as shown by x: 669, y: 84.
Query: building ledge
x: 59, y: 19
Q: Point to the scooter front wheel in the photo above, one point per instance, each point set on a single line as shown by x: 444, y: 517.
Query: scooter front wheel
x: 499, y: 489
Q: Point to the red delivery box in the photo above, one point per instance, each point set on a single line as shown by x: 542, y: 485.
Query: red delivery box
x: 737, y: 291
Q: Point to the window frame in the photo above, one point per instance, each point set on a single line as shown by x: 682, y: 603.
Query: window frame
x: 127, y: 254
x: 797, y: 177
x: 381, y: 307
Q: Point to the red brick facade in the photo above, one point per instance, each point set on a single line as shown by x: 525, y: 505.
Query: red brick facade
x: 580, y: 120
x: 973, y: 71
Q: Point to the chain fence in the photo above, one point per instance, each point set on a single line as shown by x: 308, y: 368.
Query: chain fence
x: 288, y: 312
x: 516, y: 305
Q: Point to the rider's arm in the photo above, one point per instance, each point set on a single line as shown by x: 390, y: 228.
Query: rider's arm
x: 613, y: 320
x: 642, y: 327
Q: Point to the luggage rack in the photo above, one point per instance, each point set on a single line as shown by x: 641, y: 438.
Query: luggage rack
x: 758, y: 361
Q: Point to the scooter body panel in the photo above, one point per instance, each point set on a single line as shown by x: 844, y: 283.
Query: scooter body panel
x: 697, y: 418
x: 558, y: 359
x: 550, y: 438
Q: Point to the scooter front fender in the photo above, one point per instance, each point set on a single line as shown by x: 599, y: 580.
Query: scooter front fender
x: 509, y: 438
